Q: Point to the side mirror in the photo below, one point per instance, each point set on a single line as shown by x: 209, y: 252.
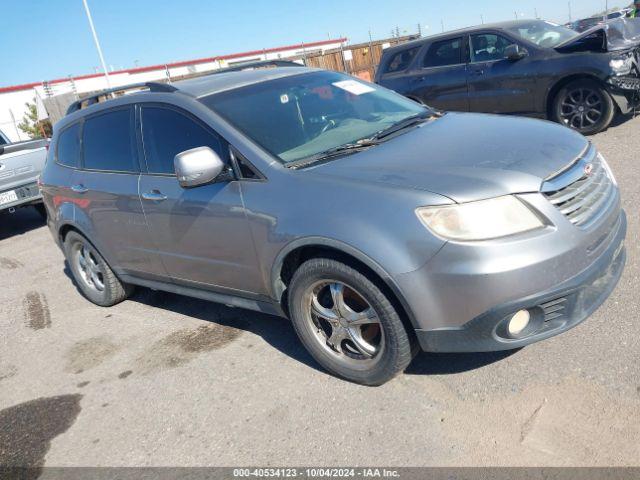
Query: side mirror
x: 197, y: 166
x: 514, y: 52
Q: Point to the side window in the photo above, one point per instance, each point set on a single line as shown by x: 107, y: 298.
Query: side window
x: 2, y: 140
x: 167, y: 132
x: 68, y: 149
x: 487, y: 47
x: 401, y: 60
x: 108, y: 142
x: 445, y: 52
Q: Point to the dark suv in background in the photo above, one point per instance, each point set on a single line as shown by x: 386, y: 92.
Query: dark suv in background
x: 357, y: 213
x: 530, y: 67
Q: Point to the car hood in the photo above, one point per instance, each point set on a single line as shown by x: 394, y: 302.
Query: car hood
x: 466, y: 157
x: 616, y: 35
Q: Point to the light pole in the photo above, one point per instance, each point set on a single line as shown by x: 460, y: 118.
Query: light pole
x: 95, y: 39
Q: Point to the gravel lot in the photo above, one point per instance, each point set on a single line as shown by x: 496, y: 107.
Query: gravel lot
x: 167, y: 380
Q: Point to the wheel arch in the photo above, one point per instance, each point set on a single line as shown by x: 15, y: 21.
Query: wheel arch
x: 66, y: 227
x: 556, y: 87
x: 299, y: 251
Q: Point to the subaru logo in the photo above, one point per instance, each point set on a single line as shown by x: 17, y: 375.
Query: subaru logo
x: 588, y: 169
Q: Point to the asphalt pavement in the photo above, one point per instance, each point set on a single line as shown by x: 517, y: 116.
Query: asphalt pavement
x: 165, y: 380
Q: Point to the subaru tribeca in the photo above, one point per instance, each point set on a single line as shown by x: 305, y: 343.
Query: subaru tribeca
x: 376, y: 224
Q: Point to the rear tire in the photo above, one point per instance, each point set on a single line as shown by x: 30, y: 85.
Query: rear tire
x: 584, y: 106
x: 347, y: 323
x: 92, y: 275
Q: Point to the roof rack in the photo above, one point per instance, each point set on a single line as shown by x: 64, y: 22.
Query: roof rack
x: 259, y: 64
x: 92, y: 99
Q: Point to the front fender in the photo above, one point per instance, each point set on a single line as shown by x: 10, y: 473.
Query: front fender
x: 278, y: 287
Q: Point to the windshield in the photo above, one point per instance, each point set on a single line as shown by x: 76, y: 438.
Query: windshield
x: 300, y: 116
x: 543, y: 34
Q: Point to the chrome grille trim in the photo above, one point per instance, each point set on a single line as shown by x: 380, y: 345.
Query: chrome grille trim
x: 582, y: 200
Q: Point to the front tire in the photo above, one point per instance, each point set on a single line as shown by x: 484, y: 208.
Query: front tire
x: 94, y: 277
x: 347, y: 323
x: 585, y: 106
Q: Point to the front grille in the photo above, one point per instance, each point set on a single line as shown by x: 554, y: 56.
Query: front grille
x: 584, y: 199
x: 626, y: 83
x: 28, y: 191
x: 554, y: 309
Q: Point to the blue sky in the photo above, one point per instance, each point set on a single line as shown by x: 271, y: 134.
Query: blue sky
x: 46, y: 39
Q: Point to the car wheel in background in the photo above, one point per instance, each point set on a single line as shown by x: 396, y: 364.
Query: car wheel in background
x: 93, y: 276
x: 347, y: 323
x: 585, y: 106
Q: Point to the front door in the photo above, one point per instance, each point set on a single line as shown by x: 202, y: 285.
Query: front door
x: 201, y: 235
x: 497, y: 84
x: 440, y: 78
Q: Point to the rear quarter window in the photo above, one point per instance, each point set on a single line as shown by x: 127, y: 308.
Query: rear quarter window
x: 68, y: 149
x: 400, y: 61
x: 108, y: 142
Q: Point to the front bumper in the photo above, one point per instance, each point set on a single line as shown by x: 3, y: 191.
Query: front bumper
x: 462, y: 298
x: 27, y: 195
x: 625, y: 91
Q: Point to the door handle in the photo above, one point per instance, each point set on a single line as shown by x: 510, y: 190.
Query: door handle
x: 79, y: 188
x: 479, y: 72
x: 154, y: 195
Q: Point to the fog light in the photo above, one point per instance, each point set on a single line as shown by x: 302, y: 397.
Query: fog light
x: 518, y: 322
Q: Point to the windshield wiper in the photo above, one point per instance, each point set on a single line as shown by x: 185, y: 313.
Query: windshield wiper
x: 364, y: 143
x: 403, y: 124
x: 338, y: 151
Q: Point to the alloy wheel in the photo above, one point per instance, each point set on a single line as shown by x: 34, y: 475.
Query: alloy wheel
x: 343, y: 322
x: 88, y: 267
x: 582, y: 108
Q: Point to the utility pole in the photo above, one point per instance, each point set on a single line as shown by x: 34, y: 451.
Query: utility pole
x: 535, y: 12
x: 442, y: 23
x: 570, y: 19
x: 419, y: 30
x: 95, y: 39
x: 482, y: 19
x: 373, y: 64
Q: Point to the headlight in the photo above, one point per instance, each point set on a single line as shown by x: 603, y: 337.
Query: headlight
x: 607, y: 169
x: 622, y: 65
x: 483, y: 220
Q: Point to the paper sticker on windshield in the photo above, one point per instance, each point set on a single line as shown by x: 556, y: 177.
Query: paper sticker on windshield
x: 284, y: 98
x: 356, y: 88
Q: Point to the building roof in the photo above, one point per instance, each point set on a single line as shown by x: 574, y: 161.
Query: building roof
x: 198, y: 61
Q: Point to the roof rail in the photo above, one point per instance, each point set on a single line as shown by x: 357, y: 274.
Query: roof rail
x: 256, y: 65
x: 90, y: 100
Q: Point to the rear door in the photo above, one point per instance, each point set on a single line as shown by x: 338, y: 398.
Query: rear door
x: 497, y: 84
x: 201, y: 235
x: 106, y: 190
x: 439, y: 78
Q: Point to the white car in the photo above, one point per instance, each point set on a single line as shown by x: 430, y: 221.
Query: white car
x: 20, y: 166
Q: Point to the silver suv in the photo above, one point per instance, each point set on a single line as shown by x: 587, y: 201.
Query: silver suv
x: 376, y: 224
